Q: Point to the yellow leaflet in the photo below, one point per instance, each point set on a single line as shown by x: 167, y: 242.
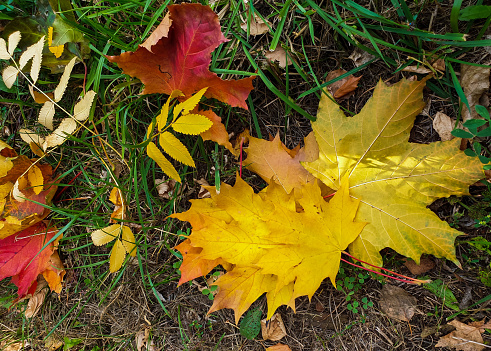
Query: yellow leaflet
x: 129, y: 241
x: 118, y: 253
x: 105, y: 235
x: 175, y: 149
x: 192, y: 124
x: 154, y: 153
x: 189, y: 104
x: 56, y: 50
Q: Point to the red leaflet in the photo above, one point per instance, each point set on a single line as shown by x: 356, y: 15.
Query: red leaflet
x: 19, y: 256
x: 181, y: 59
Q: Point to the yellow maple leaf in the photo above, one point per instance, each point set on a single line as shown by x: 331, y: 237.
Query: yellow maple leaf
x: 394, y: 180
x: 277, y: 248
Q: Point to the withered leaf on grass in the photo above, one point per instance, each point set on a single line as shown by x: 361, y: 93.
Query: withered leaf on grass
x: 397, y: 303
x: 344, y: 88
x: 273, y: 329
x: 180, y: 60
x: 475, y: 82
x: 467, y: 337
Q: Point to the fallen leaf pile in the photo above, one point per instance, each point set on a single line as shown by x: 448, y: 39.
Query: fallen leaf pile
x: 27, y: 244
x: 274, y: 240
x: 284, y: 243
x: 180, y: 56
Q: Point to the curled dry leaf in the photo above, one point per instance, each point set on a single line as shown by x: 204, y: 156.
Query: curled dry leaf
x: 60, y: 134
x: 144, y: 341
x: 40, y: 98
x: 467, y: 337
x: 360, y: 57
x: 279, y: 55
x: 417, y: 69
x: 425, y: 265
x: 203, y: 191
x: 475, y: 83
x: 273, y: 329
x: 397, y: 303
x: 344, y: 88
x: 444, y: 125
x: 36, y: 299
x: 46, y: 115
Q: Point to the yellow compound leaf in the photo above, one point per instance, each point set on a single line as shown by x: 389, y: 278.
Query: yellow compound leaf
x: 129, y: 241
x: 116, y: 259
x: 154, y: 153
x: 175, y: 149
x: 394, y: 180
x: 192, y: 124
x: 56, y: 50
x: 105, y: 235
x: 36, y: 179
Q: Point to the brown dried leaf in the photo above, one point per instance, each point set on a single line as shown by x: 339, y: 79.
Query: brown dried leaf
x: 360, y: 57
x: 257, y: 26
x: 279, y: 54
x: 397, y: 303
x: 342, y: 89
x: 475, y: 82
x: 467, y: 337
x: 36, y: 300
x: 444, y: 125
x: 425, y: 264
x: 274, y: 329
x: 416, y: 69
x: 279, y: 347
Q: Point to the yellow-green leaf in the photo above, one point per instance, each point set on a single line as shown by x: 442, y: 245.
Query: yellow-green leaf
x: 175, y: 149
x: 105, y: 235
x: 118, y: 253
x: 192, y: 124
x: 164, y: 114
x: 394, y: 180
x: 129, y: 241
x: 154, y: 153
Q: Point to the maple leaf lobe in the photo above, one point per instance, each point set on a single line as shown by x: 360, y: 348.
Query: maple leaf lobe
x: 181, y: 60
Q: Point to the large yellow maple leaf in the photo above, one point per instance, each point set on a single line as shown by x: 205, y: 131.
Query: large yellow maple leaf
x: 394, y: 180
x: 280, y: 244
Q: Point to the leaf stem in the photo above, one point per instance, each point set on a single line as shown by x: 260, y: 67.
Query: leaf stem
x: 407, y: 279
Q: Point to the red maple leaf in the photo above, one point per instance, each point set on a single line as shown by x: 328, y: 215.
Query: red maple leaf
x: 181, y: 59
x: 21, y: 257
